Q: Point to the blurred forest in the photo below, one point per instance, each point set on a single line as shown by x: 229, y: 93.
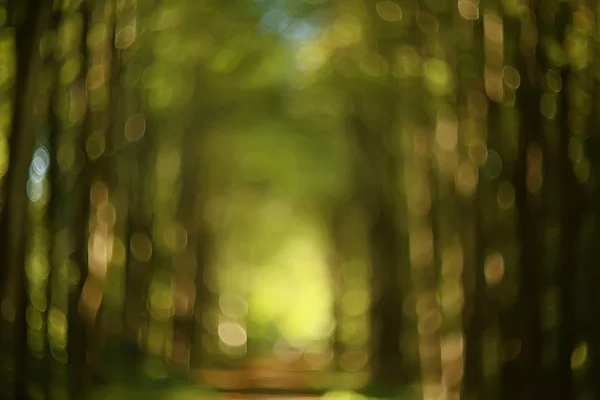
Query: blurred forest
x: 346, y: 199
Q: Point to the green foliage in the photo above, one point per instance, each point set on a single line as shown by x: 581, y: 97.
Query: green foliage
x: 398, y: 197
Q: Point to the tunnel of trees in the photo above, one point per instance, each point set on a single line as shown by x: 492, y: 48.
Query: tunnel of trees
x: 337, y: 198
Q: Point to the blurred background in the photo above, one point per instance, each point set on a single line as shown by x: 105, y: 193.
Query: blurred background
x: 337, y: 199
